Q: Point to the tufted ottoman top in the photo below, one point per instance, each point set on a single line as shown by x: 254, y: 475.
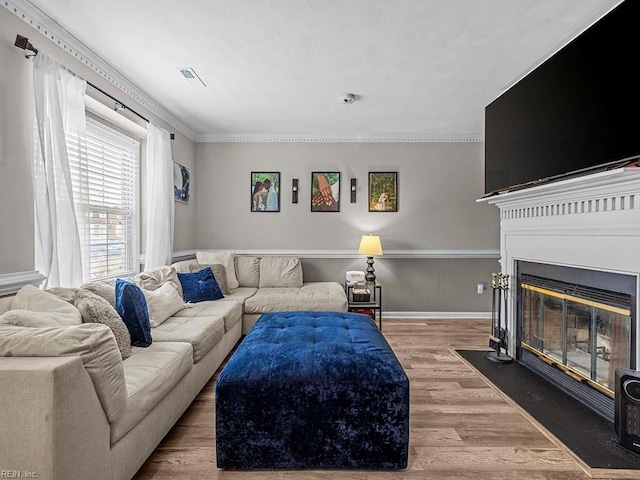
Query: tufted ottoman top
x: 313, y: 347
x: 313, y: 390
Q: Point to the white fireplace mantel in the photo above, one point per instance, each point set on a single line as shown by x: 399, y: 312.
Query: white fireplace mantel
x: 590, y: 222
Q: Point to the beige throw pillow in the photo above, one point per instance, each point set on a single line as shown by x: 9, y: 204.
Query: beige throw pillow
x: 163, y: 303
x: 95, y: 309
x: 219, y: 273
x: 280, y: 272
x: 92, y: 342
x: 224, y: 258
x: 35, y: 300
x: 154, y: 279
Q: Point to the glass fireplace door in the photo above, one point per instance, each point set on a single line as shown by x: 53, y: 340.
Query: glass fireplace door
x: 587, y: 339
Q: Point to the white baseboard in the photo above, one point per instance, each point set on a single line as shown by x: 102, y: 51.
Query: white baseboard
x: 438, y: 315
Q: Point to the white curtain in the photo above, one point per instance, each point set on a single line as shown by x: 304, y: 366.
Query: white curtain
x: 159, y: 198
x: 59, y: 110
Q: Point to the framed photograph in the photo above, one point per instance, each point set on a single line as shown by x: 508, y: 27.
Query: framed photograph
x: 383, y: 191
x: 265, y: 191
x: 325, y: 191
x: 181, y: 183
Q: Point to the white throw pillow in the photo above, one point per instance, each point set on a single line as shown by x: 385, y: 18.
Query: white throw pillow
x: 224, y: 258
x: 162, y: 303
x: 154, y: 279
x: 33, y: 299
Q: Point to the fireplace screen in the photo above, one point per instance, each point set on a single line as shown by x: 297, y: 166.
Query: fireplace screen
x: 588, y: 338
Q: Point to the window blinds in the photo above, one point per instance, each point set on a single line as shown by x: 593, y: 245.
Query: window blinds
x: 104, y: 172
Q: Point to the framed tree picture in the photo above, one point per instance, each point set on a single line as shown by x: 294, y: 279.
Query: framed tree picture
x: 325, y: 191
x: 383, y: 191
x: 265, y: 191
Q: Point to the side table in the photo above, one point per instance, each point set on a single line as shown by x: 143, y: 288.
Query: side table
x: 374, y: 304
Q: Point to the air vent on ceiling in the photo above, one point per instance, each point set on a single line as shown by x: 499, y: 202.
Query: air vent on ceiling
x: 191, y: 76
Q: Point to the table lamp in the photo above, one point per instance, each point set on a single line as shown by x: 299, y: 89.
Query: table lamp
x: 370, y: 245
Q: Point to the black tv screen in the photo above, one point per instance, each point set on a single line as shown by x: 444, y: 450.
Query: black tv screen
x: 579, y: 109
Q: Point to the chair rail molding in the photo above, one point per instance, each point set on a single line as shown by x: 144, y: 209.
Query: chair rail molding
x: 338, y: 253
x: 10, y: 283
x: 391, y: 316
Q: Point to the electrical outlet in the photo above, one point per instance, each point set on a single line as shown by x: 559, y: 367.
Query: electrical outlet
x: 480, y: 288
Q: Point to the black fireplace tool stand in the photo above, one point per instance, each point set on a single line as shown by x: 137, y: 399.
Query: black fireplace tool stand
x: 498, y: 337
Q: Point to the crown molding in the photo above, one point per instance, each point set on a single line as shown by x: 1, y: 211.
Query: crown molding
x: 343, y: 138
x: 46, y: 26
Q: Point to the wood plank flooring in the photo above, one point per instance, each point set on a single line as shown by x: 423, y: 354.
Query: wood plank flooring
x: 460, y: 427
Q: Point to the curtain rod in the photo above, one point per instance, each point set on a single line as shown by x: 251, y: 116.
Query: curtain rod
x: 24, y: 44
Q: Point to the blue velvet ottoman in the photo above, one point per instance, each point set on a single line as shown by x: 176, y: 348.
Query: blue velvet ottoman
x: 313, y: 390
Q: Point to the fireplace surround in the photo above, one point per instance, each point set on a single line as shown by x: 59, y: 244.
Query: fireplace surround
x: 589, y: 228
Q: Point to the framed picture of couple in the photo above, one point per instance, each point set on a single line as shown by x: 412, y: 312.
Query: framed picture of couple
x: 265, y: 191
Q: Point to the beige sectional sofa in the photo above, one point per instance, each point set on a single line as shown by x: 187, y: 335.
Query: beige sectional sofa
x: 71, y: 408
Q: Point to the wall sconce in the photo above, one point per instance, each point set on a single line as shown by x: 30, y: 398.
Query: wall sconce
x: 294, y: 191
x: 353, y: 190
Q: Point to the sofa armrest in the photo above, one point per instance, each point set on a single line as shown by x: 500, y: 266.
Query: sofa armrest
x: 53, y: 424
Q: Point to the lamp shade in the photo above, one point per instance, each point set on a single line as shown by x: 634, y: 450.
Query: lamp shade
x: 370, y: 245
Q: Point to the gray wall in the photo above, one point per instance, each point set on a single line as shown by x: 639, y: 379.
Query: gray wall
x: 438, y: 185
x: 16, y: 193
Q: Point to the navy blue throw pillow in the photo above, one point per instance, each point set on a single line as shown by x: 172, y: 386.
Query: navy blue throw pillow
x: 132, y: 307
x: 200, y: 286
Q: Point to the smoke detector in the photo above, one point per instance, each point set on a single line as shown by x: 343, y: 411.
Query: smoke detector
x: 347, y: 98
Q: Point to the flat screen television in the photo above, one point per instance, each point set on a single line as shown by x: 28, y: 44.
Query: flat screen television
x: 579, y: 109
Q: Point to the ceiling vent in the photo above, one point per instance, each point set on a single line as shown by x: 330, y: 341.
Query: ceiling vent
x: 191, y: 76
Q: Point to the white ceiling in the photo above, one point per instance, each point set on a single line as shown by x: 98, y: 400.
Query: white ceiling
x: 422, y: 69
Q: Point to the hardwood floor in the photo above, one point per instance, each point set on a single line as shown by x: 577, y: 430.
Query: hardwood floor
x: 460, y: 427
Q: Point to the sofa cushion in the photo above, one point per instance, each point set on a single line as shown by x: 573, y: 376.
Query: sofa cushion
x: 27, y: 318
x: 33, y: 299
x: 6, y: 303
x: 68, y: 294
x: 230, y: 311
x: 240, y: 294
x: 317, y: 296
x: 92, y: 342
x: 150, y: 374
x: 248, y: 271
x: 103, y: 288
x: 280, y: 272
x: 202, y: 332
x: 200, y: 286
x: 226, y: 258
x: 132, y: 307
x: 219, y: 273
x: 162, y: 303
x: 95, y: 309
x: 183, y: 266
x: 154, y: 279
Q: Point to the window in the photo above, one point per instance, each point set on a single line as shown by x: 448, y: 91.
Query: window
x: 105, y: 189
